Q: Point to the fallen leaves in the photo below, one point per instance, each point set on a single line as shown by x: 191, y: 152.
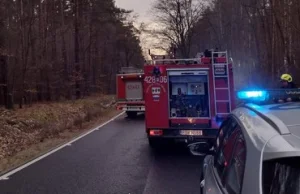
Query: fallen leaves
x: 22, y: 128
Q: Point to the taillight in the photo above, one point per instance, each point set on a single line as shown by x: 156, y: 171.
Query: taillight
x: 155, y: 132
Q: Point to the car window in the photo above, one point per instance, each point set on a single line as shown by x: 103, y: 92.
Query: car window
x: 223, y: 130
x: 281, y: 176
x: 235, y: 173
x: 220, y: 135
x: 226, y: 144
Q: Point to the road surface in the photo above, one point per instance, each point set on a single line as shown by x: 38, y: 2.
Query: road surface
x: 115, y: 159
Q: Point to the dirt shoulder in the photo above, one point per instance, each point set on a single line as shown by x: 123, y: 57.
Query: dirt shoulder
x: 27, y: 133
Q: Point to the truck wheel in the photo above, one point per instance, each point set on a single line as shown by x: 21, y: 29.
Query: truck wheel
x: 131, y: 114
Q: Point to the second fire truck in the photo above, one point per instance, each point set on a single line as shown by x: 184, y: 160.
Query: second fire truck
x: 186, y: 99
x: 130, y: 95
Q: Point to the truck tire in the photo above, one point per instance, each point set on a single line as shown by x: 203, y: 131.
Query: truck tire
x: 131, y: 114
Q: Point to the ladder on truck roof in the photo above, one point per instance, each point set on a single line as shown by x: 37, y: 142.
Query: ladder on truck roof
x: 174, y: 61
x: 128, y: 70
x: 221, y: 81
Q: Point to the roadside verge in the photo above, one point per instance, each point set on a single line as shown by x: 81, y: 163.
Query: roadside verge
x: 29, y: 133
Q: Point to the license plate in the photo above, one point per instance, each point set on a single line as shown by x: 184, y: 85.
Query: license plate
x: 191, y: 132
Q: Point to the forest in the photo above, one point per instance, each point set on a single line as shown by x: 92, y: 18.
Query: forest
x: 51, y: 50
x: 261, y: 36
x: 68, y: 49
x: 59, y: 58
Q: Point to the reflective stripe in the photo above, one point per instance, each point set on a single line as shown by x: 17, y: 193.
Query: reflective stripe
x: 133, y: 108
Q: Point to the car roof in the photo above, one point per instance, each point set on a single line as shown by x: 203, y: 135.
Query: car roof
x: 273, y: 129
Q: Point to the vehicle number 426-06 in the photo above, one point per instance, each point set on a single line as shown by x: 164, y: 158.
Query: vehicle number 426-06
x: 153, y: 79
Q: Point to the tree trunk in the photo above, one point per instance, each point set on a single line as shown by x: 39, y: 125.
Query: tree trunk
x: 76, y: 43
x: 3, y: 81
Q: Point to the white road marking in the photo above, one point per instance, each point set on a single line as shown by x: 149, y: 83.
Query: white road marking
x: 150, y: 177
x: 6, y: 176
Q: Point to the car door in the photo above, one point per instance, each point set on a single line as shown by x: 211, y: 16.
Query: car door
x: 234, y: 174
x: 216, y: 165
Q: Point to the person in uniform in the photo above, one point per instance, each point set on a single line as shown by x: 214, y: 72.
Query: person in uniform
x: 287, y: 81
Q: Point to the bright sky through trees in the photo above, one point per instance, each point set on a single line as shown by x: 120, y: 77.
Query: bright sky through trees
x: 140, y: 7
x: 143, y: 9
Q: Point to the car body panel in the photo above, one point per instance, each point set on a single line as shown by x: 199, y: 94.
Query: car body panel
x: 288, y: 113
x: 282, y: 146
x: 211, y: 186
x: 256, y: 131
x: 270, y: 132
x: 295, y: 129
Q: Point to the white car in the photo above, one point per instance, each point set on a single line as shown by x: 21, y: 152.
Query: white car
x: 257, y: 151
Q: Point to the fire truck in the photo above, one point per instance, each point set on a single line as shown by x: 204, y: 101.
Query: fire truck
x: 130, y: 93
x: 187, y: 99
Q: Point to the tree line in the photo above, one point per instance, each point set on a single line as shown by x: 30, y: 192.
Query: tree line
x: 261, y: 36
x: 63, y: 49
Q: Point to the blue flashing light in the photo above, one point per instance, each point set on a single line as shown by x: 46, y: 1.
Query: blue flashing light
x: 269, y: 95
x: 252, y: 95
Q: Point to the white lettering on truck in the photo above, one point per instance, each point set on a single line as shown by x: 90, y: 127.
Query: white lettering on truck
x: 153, y: 79
x: 133, y: 87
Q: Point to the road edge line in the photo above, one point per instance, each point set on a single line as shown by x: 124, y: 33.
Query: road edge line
x: 5, y: 175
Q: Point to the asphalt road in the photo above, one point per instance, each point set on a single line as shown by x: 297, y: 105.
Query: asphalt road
x: 113, y: 160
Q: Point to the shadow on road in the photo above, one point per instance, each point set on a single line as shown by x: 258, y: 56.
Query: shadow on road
x: 140, y: 116
x: 173, y: 149
x: 174, y: 170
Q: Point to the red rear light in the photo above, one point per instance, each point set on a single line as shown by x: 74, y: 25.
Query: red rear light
x: 156, y: 132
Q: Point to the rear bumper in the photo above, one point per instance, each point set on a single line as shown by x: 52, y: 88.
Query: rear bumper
x: 208, y: 135
x: 133, y: 108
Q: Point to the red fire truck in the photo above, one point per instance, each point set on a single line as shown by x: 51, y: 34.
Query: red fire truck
x: 130, y: 95
x: 186, y: 99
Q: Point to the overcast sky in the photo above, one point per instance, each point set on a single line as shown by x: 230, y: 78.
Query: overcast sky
x: 141, y: 7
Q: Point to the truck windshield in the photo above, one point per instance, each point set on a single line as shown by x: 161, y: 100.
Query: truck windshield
x: 281, y: 176
x: 188, y: 96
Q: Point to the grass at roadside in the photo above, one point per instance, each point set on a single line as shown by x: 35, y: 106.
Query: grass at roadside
x: 26, y: 133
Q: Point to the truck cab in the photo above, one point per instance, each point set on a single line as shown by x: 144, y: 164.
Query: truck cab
x: 130, y: 93
x: 186, y: 99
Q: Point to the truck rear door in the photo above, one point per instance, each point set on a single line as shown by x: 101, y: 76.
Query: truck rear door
x: 134, y: 89
x: 130, y: 94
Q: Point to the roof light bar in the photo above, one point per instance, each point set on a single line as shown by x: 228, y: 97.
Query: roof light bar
x: 268, y: 95
x: 252, y: 95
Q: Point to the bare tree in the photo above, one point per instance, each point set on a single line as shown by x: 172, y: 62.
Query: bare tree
x: 260, y: 35
x: 176, y: 20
